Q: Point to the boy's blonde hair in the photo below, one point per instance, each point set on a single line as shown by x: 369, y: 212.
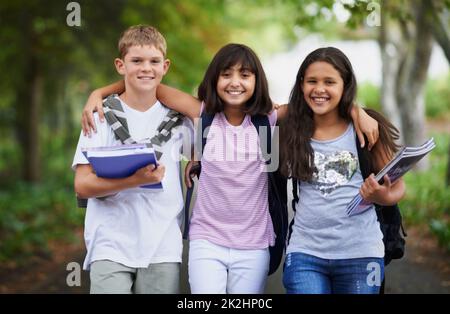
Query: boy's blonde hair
x: 141, y: 35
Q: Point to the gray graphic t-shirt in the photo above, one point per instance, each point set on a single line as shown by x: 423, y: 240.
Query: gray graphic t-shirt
x: 321, y: 226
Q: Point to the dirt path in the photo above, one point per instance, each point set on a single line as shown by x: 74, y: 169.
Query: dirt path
x: 424, y: 269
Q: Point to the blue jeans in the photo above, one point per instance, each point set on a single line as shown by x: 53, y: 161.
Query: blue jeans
x: 308, y: 274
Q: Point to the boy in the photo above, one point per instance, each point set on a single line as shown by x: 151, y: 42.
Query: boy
x: 133, y: 238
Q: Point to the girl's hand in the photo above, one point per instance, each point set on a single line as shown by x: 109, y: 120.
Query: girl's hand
x: 373, y: 192
x: 149, y: 175
x: 187, y: 173
x: 94, y: 103
x: 365, y: 125
x: 281, y: 111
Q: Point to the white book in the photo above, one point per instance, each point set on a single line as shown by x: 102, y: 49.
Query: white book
x: 403, y: 161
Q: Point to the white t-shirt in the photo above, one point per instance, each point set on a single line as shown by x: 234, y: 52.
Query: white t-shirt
x: 136, y: 227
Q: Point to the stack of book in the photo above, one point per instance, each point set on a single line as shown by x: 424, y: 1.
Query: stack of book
x: 121, y: 161
x: 403, y: 161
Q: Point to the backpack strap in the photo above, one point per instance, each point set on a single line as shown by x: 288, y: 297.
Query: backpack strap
x: 277, y: 195
x: 263, y: 121
x: 117, y: 120
x: 115, y: 116
x: 295, y: 199
x: 205, y: 122
x: 364, y: 158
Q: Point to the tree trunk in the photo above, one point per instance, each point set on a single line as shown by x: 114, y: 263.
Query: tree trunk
x: 390, y: 41
x: 28, y: 122
x: 406, y: 48
x: 440, y: 26
x: 27, y: 103
x: 441, y: 33
x: 412, y: 77
x: 447, y: 178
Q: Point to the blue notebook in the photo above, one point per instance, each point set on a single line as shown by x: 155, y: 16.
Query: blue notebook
x: 121, y: 161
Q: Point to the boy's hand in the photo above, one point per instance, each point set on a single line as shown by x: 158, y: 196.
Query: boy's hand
x: 94, y: 103
x: 187, y: 173
x: 149, y: 175
x: 373, y: 192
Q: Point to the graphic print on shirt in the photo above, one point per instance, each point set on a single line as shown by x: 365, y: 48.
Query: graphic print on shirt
x: 333, y: 170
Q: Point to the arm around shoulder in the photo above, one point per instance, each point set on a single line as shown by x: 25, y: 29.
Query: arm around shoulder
x: 179, y: 101
x: 94, y: 103
x: 281, y: 111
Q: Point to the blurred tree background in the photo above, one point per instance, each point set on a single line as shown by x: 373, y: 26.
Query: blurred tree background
x: 49, y: 68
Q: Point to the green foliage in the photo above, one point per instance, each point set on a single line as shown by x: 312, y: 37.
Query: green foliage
x: 9, y: 159
x: 442, y: 230
x: 32, y: 215
x: 427, y: 197
x: 369, y: 96
x: 437, y: 97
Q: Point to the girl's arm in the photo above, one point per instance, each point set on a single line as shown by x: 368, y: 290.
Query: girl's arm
x: 173, y: 98
x: 179, y: 101
x: 281, y: 111
x: 94, y: 103
x: 388, y: 193
x: 364, y: 125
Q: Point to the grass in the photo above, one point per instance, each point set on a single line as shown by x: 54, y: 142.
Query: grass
x: 427, y: 199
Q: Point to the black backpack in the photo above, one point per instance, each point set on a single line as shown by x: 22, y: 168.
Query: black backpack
x: 389, y: 217
x: 277, y: 191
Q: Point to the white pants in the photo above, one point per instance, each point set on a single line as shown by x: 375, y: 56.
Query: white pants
x: 218, y: 269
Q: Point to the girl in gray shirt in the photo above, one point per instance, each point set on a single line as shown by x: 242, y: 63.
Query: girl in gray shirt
x: 328, y: 251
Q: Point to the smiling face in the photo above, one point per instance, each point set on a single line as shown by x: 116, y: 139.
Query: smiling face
x: 236, y: 85
x: 322, y: 88
x: 143, y: 68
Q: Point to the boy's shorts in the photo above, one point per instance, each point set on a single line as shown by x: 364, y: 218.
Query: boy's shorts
x: 111, y: 277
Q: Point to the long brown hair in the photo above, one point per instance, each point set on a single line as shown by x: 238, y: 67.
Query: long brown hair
x: 228, y: 56
x: 388, y: 138
x: 297, y: 155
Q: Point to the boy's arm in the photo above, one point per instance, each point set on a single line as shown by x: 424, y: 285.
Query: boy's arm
x: 88, y: 185
x: 388, y: 193
x: 364, y: 125
x: 179, y: 101
x: 95, y: 103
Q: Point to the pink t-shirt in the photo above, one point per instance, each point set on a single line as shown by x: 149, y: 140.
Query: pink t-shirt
x: 232, y: 202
